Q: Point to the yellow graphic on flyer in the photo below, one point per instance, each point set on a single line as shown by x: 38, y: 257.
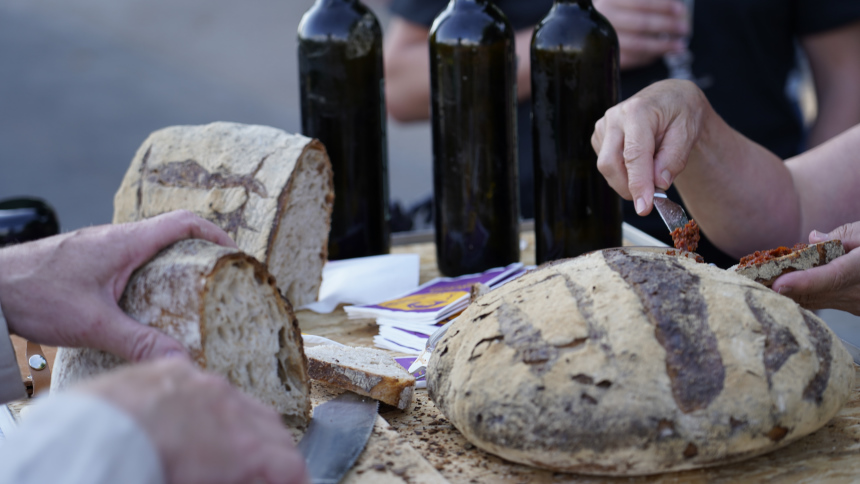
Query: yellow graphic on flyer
x: 424, y: 302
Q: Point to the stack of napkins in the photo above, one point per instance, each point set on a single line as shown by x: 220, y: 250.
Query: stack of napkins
x: 407, y: 321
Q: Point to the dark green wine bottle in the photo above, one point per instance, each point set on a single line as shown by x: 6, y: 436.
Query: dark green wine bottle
x: 343, y: 105
x: 473, y: 106
x: 575, y: 79
x: 25, y: 220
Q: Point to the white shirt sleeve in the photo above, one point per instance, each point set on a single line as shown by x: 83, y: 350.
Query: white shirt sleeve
x: 77, y: 438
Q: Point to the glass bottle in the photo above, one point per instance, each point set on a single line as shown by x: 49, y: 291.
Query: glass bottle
x: 575, y: 79
x: 473, y: 110
x: 25, y: 220
x: 343, y: 105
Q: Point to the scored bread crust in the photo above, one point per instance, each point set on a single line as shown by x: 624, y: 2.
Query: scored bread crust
x: 627, y: 362
x: 366, y: 371
x: 813, y: 255
x: 223, y: 306
x: 270, y: 190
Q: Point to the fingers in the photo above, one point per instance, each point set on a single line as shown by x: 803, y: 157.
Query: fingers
x: 647, y: 29
x: 639, y: 148
x: 133, y: 341
x: 162, y: 230
x: 849, y: 234
x: 608, y: 142
x: 835, y: 285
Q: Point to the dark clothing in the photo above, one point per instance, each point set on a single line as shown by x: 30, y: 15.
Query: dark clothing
x: 744, y: 51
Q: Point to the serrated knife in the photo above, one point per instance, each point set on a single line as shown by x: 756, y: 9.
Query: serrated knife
x: 336, y: 436
x: 672, y: 214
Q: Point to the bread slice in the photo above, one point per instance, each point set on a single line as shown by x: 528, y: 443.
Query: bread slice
x: 224, y: 307
x: 271, y: 191
x: 366, y: 371
x: 768, y: 271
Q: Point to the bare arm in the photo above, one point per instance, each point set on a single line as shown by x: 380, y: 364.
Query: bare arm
x: 834, y: 58
x: 407, y: 69
x: 742, y: 195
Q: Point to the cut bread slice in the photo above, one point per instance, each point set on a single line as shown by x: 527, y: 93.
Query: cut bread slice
x: 224, y: 307
x: 762, y: 267
x: 366, y: 371
x: 270, y: 190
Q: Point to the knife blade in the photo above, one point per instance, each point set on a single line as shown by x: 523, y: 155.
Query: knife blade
x: 855, y: 351
x: 672, y: 214
x: 336, y: 436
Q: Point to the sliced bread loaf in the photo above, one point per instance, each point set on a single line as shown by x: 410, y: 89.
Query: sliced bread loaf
x: 366, y: 371
x: 224, y: 307
x: 271, y: 191
x: 766, y: 266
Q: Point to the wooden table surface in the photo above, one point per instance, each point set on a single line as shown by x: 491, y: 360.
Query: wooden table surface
x: 419, y: 446
x: 424, y: 436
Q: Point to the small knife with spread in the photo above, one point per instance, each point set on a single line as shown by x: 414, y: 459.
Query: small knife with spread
x: 671, y: 213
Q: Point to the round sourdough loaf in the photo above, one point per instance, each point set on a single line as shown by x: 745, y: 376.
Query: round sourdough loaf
x: 632, y: 362
x: 224, y: 307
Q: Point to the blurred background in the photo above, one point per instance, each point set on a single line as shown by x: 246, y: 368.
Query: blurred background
x: 84, y: 82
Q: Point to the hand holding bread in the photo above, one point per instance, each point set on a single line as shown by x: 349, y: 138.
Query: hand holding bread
x: 835, y: 285
x: 63, y: 290
x: 204, y: 429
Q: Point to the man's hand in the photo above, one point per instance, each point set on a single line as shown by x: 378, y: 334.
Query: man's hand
x: 647, y: 29
x: 63, y: 290
x: 835, y: 285
x: 204, y: 430
x: 645, y: 141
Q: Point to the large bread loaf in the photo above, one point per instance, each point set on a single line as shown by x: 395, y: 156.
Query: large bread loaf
x: 271, y: 191
x: 627, y: 362
x: 224, y: 307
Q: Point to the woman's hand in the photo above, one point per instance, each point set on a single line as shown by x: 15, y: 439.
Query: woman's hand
x: 835, y: 285
x: 644, y: 142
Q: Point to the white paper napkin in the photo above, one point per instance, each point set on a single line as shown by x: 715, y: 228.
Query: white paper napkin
x: 366, y: 280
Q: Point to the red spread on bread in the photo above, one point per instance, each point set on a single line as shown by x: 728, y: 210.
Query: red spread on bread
x: 759, y: 257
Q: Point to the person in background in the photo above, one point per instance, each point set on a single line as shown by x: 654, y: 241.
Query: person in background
x: 740, y: 193
x: 744, y: 53
x: 161, y: 421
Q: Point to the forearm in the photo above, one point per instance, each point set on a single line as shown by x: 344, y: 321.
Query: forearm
x: 834, y: 58
x: 524, y: 64
x: 407, y: 82
x: 742, y: 195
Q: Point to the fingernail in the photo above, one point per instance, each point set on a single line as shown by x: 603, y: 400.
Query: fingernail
x: 784, y: 290
x: 640, y: 205
x: 816, y: 235
x: 667, y: 178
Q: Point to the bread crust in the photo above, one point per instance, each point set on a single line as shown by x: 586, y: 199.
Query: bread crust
x: 813, y: 255
x: 273, y: 192
x: 626, y: 362
x: 345, y: 371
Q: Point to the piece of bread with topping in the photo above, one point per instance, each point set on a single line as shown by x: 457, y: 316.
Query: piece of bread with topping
x: 766, y: 266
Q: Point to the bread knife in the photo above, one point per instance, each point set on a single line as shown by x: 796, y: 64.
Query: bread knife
x: 336, y: 436
x: 672, y: 214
